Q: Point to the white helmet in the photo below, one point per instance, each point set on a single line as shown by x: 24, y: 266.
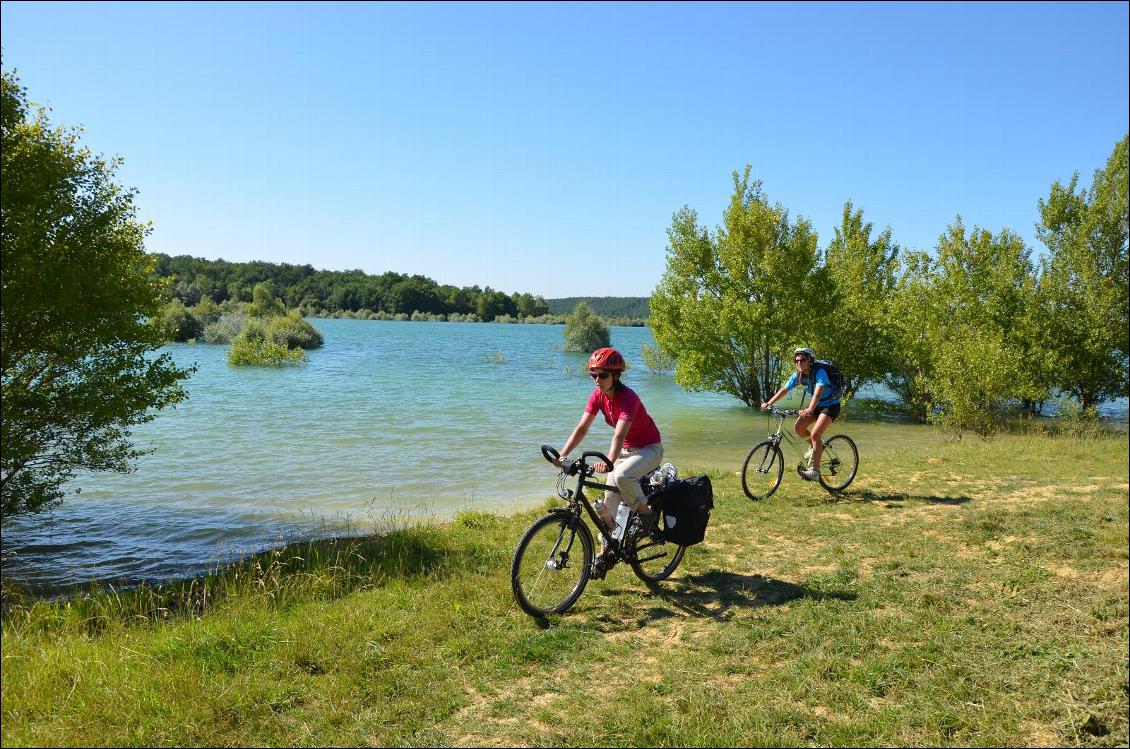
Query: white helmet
x: 807, y: 352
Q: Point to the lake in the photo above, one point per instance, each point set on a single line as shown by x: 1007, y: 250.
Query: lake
x: 389, y: 422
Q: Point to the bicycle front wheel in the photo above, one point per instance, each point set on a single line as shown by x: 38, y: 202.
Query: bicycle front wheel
x: 654, y: 561
x: 762, y: 470
x: 551, y: 565
x: 839, y: 464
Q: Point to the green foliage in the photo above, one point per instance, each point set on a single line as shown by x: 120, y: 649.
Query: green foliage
x: 254, y: 346
x: 207, y: 312
x: 981, y: 287
x: 1086, y: 281
x: 731, y: 305
x: 293, y: 331
x: 264, y: 303
x: 223, y: 330
x: 857, y: 335
x: 656, y: 359
x: 974, y: 373
x: 338, y: 293
x: 584, y: 331
x: 177, y: 322
x: 608, y: 307
x: 75, y: 357
x: 909, y: 317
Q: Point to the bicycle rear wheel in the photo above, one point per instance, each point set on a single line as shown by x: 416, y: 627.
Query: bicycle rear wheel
x: 762, y: 470
x: 839, y: 464
x: 654, y: 560
x: 549, y: 571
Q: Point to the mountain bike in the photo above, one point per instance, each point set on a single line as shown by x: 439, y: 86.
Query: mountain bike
x: 765, y: 464
x: 554, y: 559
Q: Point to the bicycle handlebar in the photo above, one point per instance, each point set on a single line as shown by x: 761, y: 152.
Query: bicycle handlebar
x: 550, y: 453
x: 783, y: 412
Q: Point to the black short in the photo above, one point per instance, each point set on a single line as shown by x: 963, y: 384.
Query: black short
x: 833, y: 411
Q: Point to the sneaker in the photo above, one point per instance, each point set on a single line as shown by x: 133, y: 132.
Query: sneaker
x: 812, y: 473
x: 604, y: 561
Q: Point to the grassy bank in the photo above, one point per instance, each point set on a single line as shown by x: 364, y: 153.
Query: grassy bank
x: 972, y: 595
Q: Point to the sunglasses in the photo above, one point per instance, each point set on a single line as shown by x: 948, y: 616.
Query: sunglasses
x: 600, y: 375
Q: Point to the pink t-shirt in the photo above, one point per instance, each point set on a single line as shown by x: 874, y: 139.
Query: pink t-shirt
x: 625, y: 405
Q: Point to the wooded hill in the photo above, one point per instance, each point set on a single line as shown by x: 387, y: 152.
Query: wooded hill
x: 633, y: 307
x: 325, y: 292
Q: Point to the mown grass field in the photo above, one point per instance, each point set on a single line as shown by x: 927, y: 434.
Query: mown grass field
x: 975, y: 594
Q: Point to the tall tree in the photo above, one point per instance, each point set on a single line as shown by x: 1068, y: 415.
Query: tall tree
x: 731, y: 305
x: 1086, y: 280
x: 909, y: 317
x: 857, y: 337
x: 982, y: 286
x: 76, y: 361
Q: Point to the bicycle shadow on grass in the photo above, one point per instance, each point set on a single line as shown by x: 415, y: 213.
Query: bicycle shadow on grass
x: 719, y: 595
x: 894, y: 498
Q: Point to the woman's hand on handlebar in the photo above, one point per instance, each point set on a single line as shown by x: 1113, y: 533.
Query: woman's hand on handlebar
x: 601, y: 467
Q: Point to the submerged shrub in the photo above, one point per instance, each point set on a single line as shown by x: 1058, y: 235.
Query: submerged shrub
x: 293, y: 331
x: 584, y: 330
x: 177, y: 322
x: 223, y: 330
x: 254, y: 347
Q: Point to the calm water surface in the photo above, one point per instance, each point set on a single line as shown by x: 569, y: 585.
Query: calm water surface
x: 388, y: 421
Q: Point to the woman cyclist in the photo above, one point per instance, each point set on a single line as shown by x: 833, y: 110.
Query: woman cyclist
x: 636, y: 448
x: 822, y: 409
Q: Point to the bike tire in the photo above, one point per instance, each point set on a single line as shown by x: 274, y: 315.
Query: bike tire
x: 653, y: 561
x: 545, y: 577
x: 839, y: 464
x: 762, y: 471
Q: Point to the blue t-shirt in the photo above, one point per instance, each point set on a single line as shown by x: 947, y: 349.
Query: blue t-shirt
x: 829, y: 396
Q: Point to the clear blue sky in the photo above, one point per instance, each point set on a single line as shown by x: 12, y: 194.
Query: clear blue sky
x: 544, y: 147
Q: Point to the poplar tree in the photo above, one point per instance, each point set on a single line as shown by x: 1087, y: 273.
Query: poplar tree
x: 1085, y: 279
x: 858, y: 336
x: 732, y: 304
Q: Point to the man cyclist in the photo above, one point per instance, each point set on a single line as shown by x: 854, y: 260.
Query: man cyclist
x: 822, y: 409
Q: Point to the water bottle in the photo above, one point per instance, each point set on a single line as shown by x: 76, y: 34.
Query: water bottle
x: 621, y: 521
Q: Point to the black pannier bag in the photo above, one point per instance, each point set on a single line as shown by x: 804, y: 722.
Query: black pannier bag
x: 686, y: 505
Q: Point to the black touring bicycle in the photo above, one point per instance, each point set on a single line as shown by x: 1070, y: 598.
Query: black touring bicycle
x: 555, y: 557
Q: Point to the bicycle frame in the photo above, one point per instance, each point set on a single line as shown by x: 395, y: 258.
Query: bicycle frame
x: 577, y: 500
x: 776, y: 436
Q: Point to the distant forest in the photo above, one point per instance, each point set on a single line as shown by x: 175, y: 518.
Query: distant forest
x: 325, y: 293
x: 632, y: 307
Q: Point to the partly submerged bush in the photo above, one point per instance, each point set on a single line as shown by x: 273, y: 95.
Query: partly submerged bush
x: 293, y: 331
x: 584, y: 330
x: 254, y: 346
x: 177, y: 322
x: 223, y: 330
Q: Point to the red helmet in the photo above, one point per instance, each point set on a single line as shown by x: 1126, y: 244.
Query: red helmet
x: 606, y: 358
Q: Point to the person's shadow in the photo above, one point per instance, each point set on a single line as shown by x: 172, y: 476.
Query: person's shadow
x: 718, y: 595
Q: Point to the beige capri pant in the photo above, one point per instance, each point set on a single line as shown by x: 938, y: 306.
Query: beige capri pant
x: 632, y: 465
